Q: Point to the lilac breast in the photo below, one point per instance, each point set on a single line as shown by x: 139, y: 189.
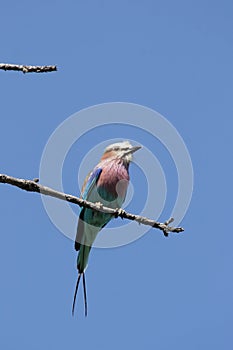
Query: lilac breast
x: 113, y: 181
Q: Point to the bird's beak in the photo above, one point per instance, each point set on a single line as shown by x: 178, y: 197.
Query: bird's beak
x: 132, y: 150
x: 135, y: 148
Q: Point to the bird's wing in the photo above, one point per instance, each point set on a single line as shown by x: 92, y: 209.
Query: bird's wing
x: 87, y: 188
x: 90, y: 182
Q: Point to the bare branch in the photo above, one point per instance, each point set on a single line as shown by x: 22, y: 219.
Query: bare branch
x: 28, y: 69
x: 34, y: 186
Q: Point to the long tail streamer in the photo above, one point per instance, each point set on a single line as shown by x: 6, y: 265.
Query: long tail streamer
x: 84, y: 292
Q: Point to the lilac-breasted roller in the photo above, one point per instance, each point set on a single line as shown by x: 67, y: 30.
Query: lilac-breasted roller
x: 106, y: 183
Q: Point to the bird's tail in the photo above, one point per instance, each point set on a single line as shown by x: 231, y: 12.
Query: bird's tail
x: 82, y: 260
x: 84, y: 292
x: 83, y: 256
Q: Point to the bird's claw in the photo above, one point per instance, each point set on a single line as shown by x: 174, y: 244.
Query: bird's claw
x: 119, y: 212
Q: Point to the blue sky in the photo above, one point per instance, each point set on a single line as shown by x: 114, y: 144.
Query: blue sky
x: 176, y: 58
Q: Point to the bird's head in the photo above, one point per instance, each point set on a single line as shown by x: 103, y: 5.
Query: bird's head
x: 120, y: 150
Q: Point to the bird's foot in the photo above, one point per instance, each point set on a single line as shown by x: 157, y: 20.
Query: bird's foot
x: 119, y: 212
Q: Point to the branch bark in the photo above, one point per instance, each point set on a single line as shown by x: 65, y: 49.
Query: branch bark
x: 28, y: 69
x: 34, y: 186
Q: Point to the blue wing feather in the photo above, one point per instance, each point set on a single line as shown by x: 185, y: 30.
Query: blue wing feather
x: 88, y: 185
x: 91, y: 181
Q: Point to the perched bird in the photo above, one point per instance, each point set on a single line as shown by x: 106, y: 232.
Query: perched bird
x: 106, y: 183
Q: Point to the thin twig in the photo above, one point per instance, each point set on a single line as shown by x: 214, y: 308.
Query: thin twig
x: 33, y: 186
x: 28, y: 69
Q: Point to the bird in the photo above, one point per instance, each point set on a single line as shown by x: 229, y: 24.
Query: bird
x: 107, y: 183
